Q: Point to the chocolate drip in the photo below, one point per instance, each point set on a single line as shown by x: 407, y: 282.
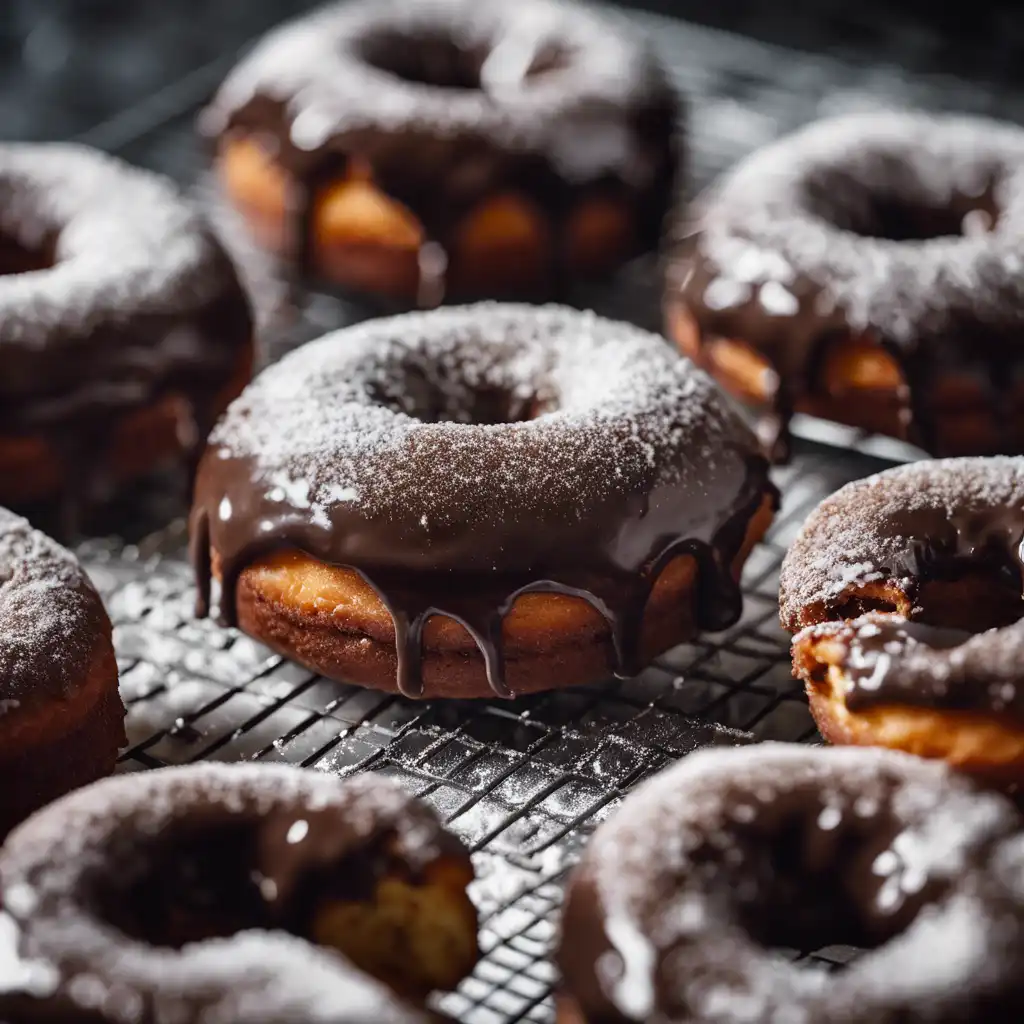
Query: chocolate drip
x: 480, y: 605
x: 401, y: 94
x: 881, y: 667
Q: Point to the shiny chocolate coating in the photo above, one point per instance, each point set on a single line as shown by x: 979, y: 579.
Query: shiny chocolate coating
x: 185, y: 894
x: 448, y: 103
x: 113, y: 293
x: 686, y: 897
x: 901, y: 230
x: 899, y: 530
x: 459, y: 458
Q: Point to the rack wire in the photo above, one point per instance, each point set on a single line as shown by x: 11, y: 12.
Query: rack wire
x: 523, y: 782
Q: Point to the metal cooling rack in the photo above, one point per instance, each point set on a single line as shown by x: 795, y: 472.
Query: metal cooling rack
x: 521, y: 781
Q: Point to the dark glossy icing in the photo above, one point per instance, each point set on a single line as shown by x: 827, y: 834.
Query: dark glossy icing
x: 926, y: 520
x: 890, y: 660
x: 52, y: 622
x: 460, y: 458
x: 175, y: 891
x: 902, y: 529
x: 449, y: 103
x: 124, y: 296
x: 684, y: 896
x: 903, y: 230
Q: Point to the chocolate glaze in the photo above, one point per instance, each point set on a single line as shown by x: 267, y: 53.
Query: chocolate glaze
x: 899, y: 230
x: 451, y: 103
x: 176, y: 889
x: 115, y: 294
x: 899, y: 531
x: 684, y: 896
x: 461, y: 458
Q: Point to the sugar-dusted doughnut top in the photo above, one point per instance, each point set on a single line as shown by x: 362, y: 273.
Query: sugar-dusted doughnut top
x: 894, y: 229
x: 78, y: 880
x: 897, y: 530
x: 687, y: 895
x: 539, y: 76
x: 864, y: 221
x: 52, y: 622
x: 482, y: 439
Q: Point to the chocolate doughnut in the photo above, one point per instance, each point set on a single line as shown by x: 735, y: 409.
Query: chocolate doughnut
x: 123, y: 328
x: 61, y: 717
x: 866, y: 269
x: 904, y: 590
x: 687, y: 895
x: 242, y: 894
x: 490, y: 499
x: 435, y: 148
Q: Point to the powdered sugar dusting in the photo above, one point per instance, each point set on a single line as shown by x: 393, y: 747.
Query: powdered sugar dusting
x: 49, y: 617
x: 258, y: 976
x: 577, y: 114
x: 127, y: 242
x: 379, y: 416
x: 928, y: 883
x: 784, y: 214
x: 871, y: 529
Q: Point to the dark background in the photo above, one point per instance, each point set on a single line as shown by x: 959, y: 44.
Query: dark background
x: 66, y: 65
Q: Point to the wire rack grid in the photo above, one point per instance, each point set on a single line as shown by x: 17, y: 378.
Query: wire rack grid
x: 524, y: 781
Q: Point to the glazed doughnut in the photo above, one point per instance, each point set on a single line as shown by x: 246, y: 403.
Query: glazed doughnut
x: 242, y: 894
x: 906, y: 590
x: 483, y: 499
x: 61, y: 717
x: 866, y: 269
x: 449, y: 147
x: 687, y: 895
x: 123, y: 327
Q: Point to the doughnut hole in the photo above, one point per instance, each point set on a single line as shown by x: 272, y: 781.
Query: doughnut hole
x: 17, y: 258
x: 209, y: 880
x: 803, y: 884
x: 441, y: 60
x: 987, y: 745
